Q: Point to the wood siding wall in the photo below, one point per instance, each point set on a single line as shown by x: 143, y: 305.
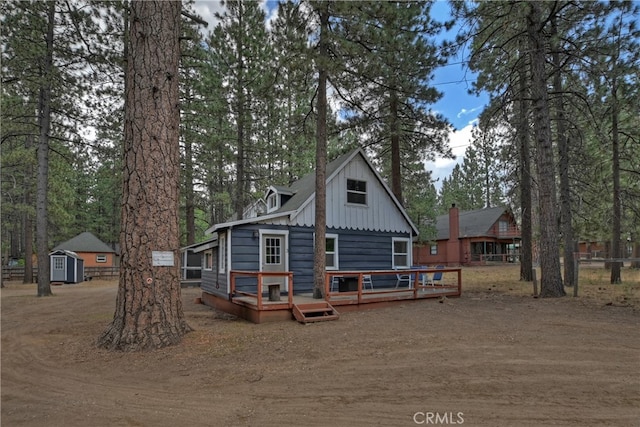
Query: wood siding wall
x: 89, y: 259
x: 357, y: 250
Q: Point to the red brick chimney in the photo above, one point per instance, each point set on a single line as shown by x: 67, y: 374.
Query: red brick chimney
x: 453, y: 244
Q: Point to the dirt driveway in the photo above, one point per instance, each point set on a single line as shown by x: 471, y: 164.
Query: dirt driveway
x: 494, y: 357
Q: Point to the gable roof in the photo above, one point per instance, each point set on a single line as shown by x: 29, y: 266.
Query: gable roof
x: 85, y: 242
x: 476, y: 223
x: 65, y: 252
x: 303, y: 193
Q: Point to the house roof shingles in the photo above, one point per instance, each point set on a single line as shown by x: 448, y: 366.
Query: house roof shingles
x: 303, y: 190
x: 306, y: 186
x: 474, y: 223
x: 85, y: 242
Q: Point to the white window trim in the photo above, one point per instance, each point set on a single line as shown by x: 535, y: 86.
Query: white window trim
x: 366, y: 193
x: 101, y: 258
x: 222, y: 253
x: 274, y: 197
x: 336, y: 255
x: 204, y: 260
x: 393, y: 252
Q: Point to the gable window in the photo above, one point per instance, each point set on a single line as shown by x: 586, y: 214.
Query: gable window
x: 101, y: 258
x: 434, y: 249
x: 356, y: 192
x: 503, y: 226
x: 401, y: 257
x: 222, y: 251
x: 331, y: 250
x: 272, y: 202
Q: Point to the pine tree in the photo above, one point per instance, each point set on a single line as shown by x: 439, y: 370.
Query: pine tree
x: 148, y: 307
x: 386, y: 56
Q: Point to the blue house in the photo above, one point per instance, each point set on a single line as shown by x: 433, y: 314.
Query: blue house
x: 367, y: 229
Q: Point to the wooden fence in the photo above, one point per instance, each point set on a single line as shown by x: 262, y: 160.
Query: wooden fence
x: 17, y: 273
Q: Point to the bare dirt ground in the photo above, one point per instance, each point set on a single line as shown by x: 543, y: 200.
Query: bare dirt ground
x: 494, y: 357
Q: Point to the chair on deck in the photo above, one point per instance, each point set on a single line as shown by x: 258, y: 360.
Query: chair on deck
x: 424, y: 277
x: 411, y: 277
x: 437, y: 276
x: 335, y: 281
x: 404, y: 277
x: 366, y: 280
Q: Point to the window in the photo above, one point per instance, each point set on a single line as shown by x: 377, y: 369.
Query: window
x: 272, y: 202
x: 58, y: 263
x: 401, y: 257
x: 273, y: 251
x: 208, y: 260
x: 434, y: 249
x: 356, y: 192
x: 101, y: 258
x: 222, y: 250
x: 503, y: 226
x: 331, y: 250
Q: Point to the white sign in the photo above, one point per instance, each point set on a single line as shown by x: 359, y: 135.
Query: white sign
x: 162, y: 258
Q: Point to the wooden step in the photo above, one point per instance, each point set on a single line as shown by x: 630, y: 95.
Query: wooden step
x: 314, y: 312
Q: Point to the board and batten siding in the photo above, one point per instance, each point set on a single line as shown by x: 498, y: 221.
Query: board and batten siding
x: 379, y: 214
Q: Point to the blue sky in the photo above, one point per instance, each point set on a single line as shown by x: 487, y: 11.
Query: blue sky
x: 459, y: 106
x: 454, y: 81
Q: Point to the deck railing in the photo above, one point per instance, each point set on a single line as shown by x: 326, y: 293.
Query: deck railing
x: 260, y: 276
x: 390, y: 292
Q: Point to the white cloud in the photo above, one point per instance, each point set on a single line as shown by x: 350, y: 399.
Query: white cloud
x: 465, y: 112
x: 459, y: 140
x: 206, y: 9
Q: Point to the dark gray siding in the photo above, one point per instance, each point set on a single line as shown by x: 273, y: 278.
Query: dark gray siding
x: 245, y: 250
x: 212, y: 282
x: 357, y: 250
x: 301, y: 258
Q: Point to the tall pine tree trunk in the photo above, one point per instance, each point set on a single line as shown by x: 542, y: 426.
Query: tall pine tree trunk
x: 526, y: 229
x: 566, y: 219
x: 396, y: 173
x: 148, y: 307
x: 617, y: 210
x: 44, y: 124
x: 240, y: 119
x: 551, y: 279
x: 28, y: 218
x: 189, y: 196
x: 319, y: 258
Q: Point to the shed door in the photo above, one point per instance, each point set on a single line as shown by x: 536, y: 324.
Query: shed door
x: 274, y: 258
x: 58, y: 268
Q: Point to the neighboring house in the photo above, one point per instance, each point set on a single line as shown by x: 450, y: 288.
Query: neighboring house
x: 66, y: 267
x: 472, y: 237
x: 93, y: 251
x: 190, y: 263
x: 594, y: 249
x: 367, y: 229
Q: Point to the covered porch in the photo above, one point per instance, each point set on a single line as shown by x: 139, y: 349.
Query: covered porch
x: 271, y: 296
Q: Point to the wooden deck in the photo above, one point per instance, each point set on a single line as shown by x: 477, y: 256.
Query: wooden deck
x: 257, y: 308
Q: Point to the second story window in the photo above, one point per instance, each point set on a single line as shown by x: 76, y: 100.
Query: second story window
x: 356, y: 192
x: 272, y: 202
